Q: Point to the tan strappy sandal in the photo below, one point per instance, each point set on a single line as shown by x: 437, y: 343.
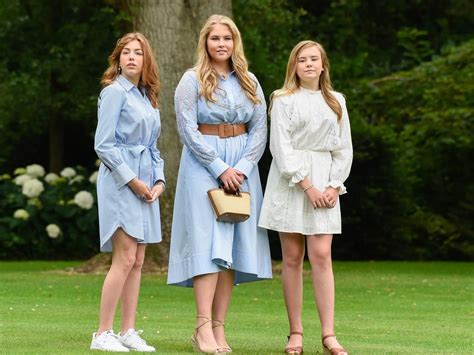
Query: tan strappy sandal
x: 332, y: 351
x: 294, y: 350
x: 194, y: 340
x: 221, y: 349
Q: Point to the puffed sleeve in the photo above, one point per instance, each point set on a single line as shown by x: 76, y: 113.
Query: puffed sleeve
x: 257, y: 135
x: 110, y: 104
x: 185, y: 103
x: 342, y: 155
x: 290, y: 164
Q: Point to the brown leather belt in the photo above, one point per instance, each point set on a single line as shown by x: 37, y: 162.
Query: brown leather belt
x: 222, y: 130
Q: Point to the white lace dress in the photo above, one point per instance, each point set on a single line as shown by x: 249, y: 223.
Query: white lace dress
x: 306, y: 140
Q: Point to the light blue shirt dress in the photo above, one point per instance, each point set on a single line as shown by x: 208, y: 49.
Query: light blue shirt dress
x: 200, y: 244
x: 127, y: 130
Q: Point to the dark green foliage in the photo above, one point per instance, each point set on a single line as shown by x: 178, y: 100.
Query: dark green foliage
x: 53, y: 55
x: 430, y: 110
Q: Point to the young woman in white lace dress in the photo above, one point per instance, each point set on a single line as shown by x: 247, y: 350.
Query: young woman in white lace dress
x: 310, y: 141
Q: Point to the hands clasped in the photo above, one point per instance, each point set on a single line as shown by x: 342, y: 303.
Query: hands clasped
x: 143, y: 190
x: 232, y: 179
x: 325, y: 199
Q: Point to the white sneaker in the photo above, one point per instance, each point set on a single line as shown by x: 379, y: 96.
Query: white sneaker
x: 107, y: 341
x: 132, y: 340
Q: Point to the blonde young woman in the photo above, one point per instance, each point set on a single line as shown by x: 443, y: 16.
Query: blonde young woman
x: 221, y: 116
x: 310, y: 141
x: 129, y: 183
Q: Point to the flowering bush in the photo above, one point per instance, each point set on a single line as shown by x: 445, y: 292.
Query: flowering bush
x: 48, y: 216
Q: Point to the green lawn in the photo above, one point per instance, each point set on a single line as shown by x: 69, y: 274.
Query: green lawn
x: 381, y: 308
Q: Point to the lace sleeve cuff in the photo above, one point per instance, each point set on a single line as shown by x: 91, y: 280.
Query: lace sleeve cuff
x: 337, y: 184
x: 300, y: 175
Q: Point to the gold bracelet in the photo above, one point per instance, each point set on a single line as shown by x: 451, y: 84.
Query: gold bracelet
x: 309, y: 187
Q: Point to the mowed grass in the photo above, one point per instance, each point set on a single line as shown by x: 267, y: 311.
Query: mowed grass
x: 381, y: 308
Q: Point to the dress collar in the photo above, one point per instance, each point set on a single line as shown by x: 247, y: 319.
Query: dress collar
x: 309, y: 91
x: 126, y: 84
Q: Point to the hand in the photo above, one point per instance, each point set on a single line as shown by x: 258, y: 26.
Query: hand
x: 330, y: 196
x: 316, y: 197
x: 156, y: 192
x: 231, y: 179
x: 140, y: 189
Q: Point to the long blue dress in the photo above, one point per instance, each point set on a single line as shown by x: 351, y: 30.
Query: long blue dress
x: 127, y: 130
x: 199, y: 243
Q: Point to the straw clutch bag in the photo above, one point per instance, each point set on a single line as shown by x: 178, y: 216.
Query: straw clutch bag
x: 229, y: 207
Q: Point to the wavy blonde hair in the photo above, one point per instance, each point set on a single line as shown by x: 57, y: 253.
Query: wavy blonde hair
x: 292, y: 81
x: 150, y: 75
x: 207, y: 75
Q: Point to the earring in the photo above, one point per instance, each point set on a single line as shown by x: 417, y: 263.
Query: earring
x: 119, y: 69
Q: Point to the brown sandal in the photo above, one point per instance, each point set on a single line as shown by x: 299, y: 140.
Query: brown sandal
x: 332, y: 351
x: 294, y: 350
x: 221, y: 349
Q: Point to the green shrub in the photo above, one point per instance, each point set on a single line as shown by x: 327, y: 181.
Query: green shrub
x: 48, y: 216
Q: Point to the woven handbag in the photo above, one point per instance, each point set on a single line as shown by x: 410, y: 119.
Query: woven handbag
x: 230, y: 207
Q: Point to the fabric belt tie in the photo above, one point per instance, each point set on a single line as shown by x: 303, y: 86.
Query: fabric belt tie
x: 145, y: 166
x: 222, y: 130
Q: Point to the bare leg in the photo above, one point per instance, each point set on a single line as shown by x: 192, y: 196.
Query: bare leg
x: 292, y: 246
x: 131, y: 290
x: 220, y: 305
x: 124, y: 250
x: 204, y: 290
x: 319, y: 253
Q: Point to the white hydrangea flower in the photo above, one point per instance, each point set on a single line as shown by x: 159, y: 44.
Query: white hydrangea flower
x: 51, y: 177
x: 84, y: 199
x: 5, y: 177
x: 93, y: 177
x: 32, y: 188
x: 35, y: 170
x: 97, y: 163
x: 19, y: 171
x: 68, y: 172
x: 77, y: 178
x: 53, y: 230
x: 21, y: 214
x: 21, y: 179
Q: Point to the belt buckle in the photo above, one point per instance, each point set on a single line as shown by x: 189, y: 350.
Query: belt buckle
x: 221, y: 130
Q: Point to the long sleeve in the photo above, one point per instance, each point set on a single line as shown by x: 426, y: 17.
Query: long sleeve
x: 158, y: 166
x: 110, y: 105
x: 257, y: 136
x: 185, y: 101
x: 289, y: 163
x: 342, y: 155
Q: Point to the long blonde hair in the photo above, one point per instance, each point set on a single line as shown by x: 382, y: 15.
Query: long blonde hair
x: 292, y: 81
x: 150, y: 75
x: 207, y: 75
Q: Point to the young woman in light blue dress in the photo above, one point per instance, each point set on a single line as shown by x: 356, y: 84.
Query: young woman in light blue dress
x: 310, y: 141
x: 129, y: 184
x: 218, y: 95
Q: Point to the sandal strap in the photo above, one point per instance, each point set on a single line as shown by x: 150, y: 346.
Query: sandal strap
x: 207, y: 320
x: 327, y: 336
x: 219, y: 323
x: 296, y: 332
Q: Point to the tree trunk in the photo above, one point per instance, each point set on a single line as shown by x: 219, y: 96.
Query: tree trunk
x: 172, y: 26
x: 173, y: 30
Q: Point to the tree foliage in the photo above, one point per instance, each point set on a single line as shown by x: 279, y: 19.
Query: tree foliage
x: 54, y: 54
